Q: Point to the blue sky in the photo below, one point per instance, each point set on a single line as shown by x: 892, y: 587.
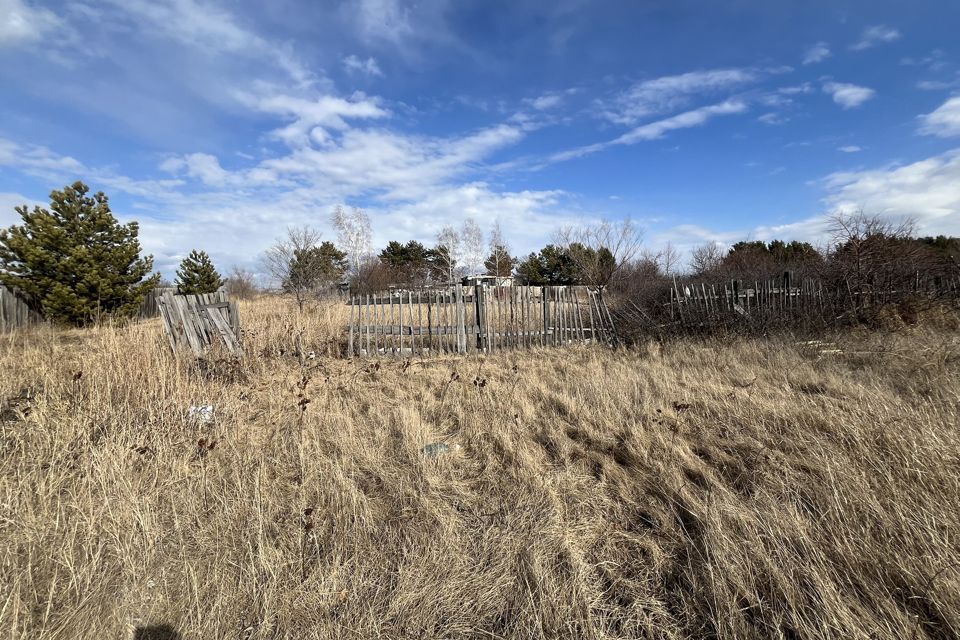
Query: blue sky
x: 218, y: 123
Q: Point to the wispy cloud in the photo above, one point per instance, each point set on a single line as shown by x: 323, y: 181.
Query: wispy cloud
x: 669, y: 93
x: 937, y: 85
x: 816, y: 53
x: 44, y: 163
x: 848, y: 95
x: 935, y: 61
x: 772, y: 118
x: 943, y: 122
x: 872, y: 36
x: 210, y: 28
x: 658, y: 129
x: 545, y: 102
x: 21, y: 23
x: 368, y: 67
x: 385, y: 20
x: 849, y: 148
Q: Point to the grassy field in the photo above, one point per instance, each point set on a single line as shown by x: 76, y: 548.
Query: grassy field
x: 699, y: 488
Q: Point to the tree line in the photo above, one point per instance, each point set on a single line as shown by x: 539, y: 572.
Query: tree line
x: 75, y: 263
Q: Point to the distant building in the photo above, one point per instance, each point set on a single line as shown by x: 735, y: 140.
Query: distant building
x: 492, y: 281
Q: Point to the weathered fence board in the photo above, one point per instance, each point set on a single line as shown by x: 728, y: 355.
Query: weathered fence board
x: 476, y: 318
x: 150, y: 308
x: 786, y: 299
x: 15, y: 313
x: 200, y: 321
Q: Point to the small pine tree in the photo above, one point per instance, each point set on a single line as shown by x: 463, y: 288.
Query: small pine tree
x: 76, y: 262
x: 500, y: 263
x: 197, y: 275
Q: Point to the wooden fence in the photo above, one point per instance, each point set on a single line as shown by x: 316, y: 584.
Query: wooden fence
x: 198, y: 322
x: 150, y: 307
x: 785, y: 299
x: 778, y: 297
x: 476, y: 318
x: 14, y: 312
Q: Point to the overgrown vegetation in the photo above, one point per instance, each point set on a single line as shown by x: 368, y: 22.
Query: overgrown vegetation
x: 694, y: 488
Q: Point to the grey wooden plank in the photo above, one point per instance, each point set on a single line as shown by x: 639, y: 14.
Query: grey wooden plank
x: 226, y: 332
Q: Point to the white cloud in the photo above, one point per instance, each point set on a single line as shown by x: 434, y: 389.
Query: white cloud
x: 658, y: 129
x: 384, y: 20
x: 368, y: 67
x: 850, y: 148
x: 546, y: 101
x: 772, y: 118
x: 935, y: 85
x: 817, y: 53
x: 37, y: 160
x: 211, y: 28
x: 41, y: 162
x: 806, y: 87
x: 877, y: 34
x: 21, y: 23
x: 669, y: 93
x: 944, y: 122
x: 202, y: 166
x: 693, y: 118
x: 312, y: 118
x: 8, y: 204
x: 392, y: 165
x: 848, y: 95
x: 928, y: 191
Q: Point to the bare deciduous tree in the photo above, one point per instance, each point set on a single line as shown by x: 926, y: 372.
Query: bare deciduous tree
x: 668, y: 259
x: 291, y: 272
x: 601, y: 250
x: 449, y: 240
x: 354, y: 235
x: 241, y: 283
x: 706, y: 258
x: 872, y: 254
x: 471, y: 241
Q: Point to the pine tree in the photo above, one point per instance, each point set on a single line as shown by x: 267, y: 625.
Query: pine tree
x: 312, y: 269
x: 197, y: 275
x: 500, y: 263
x: 76, y: 262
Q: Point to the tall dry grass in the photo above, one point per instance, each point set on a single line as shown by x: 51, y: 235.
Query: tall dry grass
x: 755, y: 488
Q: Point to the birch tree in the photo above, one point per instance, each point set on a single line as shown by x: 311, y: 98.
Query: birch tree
x: 354, y: 235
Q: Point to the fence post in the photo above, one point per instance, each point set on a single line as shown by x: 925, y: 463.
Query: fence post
x: 461, y: 318
x: 544, y: 292
x: 350, y: 343
x: 478, y: 303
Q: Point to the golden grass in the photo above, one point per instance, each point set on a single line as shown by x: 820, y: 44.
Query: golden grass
x: 754, y: 488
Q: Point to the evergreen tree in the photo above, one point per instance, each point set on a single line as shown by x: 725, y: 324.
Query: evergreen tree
x: 76, y: 262
x: 197, y: 275
x: 552, y: 266
x: 410, y: 262
x: 500, y: 263
x: 312, y: 268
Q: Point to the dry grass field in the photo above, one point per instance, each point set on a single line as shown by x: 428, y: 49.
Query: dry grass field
x: 697, y: 488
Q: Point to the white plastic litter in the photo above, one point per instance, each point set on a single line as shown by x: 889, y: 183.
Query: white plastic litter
x: 202, y: 414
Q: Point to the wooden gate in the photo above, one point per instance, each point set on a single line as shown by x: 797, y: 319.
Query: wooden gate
x: 484, y: 318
